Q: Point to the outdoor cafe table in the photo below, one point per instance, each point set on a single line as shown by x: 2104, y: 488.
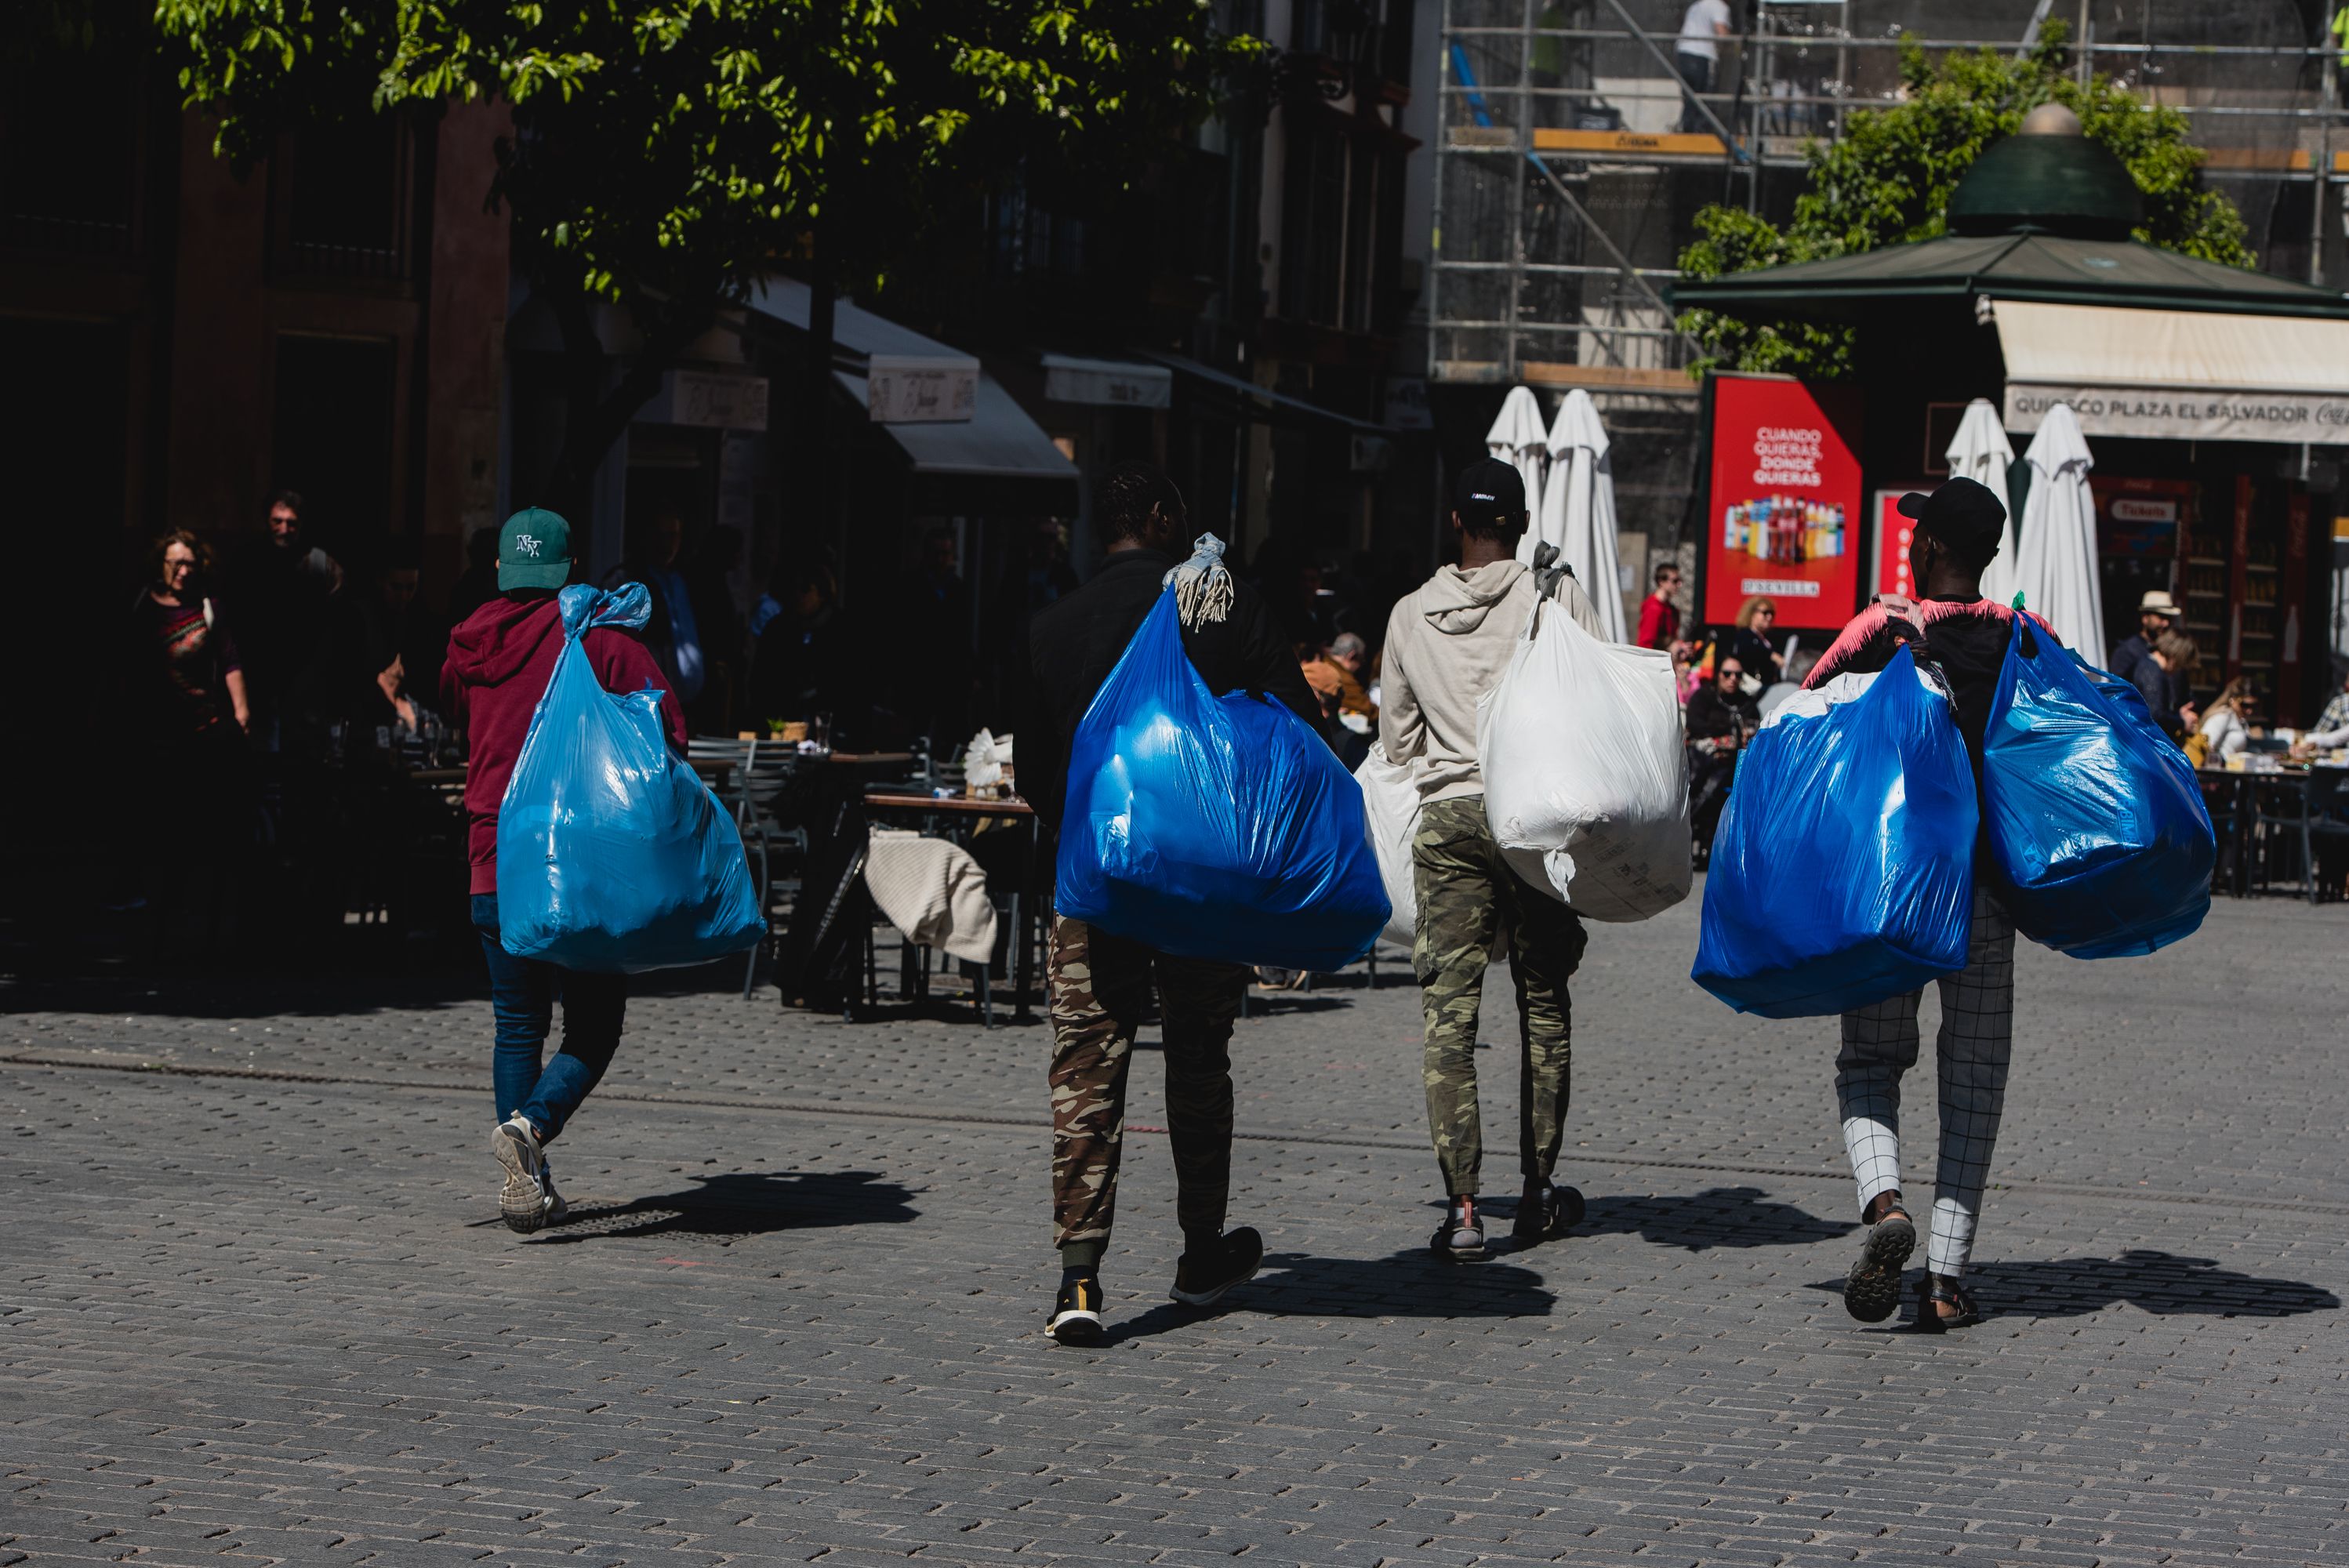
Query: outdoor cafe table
x: 900, y: 800
x: 2239, y: 788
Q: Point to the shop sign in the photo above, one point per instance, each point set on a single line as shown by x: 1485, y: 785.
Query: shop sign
x: 909, y: 389
x: 2186, y: 413
x: 1783, y: 517
x: 1106, y: 383
x: 708, y: 401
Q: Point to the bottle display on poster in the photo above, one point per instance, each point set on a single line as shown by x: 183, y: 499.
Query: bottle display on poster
x: 1783, y: 502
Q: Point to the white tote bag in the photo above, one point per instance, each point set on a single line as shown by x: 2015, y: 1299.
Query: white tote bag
x: 1391, y: 804
x: 1585, y: 776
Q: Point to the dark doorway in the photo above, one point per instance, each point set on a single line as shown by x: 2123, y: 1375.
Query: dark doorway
x: 331, y: 437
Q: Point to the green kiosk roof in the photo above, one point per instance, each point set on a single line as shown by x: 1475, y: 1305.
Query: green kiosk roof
x: 2044, y: 215
x: 2026, y: 266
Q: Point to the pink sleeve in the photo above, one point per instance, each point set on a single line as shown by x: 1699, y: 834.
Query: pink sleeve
x: 1848, y: 644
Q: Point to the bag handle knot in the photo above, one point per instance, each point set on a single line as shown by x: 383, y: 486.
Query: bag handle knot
x: 1203, y: 584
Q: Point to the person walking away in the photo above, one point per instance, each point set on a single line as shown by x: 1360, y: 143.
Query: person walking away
x: 1958, y: 531
x: 1697, y: 55
x: 1100, y: 985
x: 499, y: 661
x: 1659, y: 616
x: 1447, y: 643
x: 188, y: 699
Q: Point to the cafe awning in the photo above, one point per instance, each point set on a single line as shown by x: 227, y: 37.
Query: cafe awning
x: 994, y: 441
x: 1261, y: 404
x: 2175, y: 373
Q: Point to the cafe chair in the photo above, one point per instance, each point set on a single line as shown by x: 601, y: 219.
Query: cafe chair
x: 2316, y: 811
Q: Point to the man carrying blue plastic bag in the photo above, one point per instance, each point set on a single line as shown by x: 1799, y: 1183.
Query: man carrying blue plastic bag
x: 1101, y: 984
x: 499, y: 662
x: 1958, y: 529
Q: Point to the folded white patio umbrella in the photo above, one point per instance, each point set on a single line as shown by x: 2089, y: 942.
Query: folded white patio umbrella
x: 1577, y: 510
x: 1517, y: 438
x: 1979, y: 452
x: 2058, y: 562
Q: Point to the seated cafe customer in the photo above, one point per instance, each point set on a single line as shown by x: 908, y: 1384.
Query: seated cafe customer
x: 2228, y: 726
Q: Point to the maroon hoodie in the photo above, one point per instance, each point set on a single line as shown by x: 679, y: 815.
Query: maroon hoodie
x: 500, y: 660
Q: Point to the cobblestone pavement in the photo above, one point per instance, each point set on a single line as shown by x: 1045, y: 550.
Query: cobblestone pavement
x: 255, y: 1304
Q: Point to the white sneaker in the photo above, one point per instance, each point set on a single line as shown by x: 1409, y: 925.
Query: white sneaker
x: 523, y: 1199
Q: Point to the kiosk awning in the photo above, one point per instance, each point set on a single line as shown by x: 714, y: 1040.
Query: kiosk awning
x: 2177, y: 374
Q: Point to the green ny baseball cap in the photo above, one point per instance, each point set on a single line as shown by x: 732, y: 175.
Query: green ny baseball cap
x: 534, y: 550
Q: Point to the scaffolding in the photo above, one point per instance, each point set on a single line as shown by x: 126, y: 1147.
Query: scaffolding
x: 1572, y: 158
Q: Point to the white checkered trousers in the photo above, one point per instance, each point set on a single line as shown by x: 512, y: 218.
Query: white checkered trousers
x: 1971, y: 1052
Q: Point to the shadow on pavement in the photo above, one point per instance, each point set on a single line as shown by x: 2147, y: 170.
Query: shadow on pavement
x: 2161, y: 1283
x: 742, y: 1204
x: 1411, y: 1284
x: 1718, y: 1217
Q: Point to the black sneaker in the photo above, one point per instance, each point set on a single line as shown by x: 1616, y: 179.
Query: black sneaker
x: 1544, y: 1211
x: 1872, y: 1290
x: 1076, y: 1314
x: 1201, y: 1279
x: 1461, y: 1238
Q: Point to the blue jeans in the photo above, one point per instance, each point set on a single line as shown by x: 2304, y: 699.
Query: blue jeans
x: 522, y: 993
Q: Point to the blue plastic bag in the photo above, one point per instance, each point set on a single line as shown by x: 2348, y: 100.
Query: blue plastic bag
x: 1212, y: 827
x: 1843, y: 870
x: 2097, y: 830
x: 613, y: 856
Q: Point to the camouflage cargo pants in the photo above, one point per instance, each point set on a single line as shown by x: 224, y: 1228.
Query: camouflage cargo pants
x: 1466, y: 895
x: 1100, y: 985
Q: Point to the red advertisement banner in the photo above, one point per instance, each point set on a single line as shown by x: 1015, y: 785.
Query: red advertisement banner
x: 1889, y: 549
x: 1784, y: 519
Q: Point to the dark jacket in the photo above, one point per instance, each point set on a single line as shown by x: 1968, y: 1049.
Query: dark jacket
x: 499, y: 662
x: 1751, y: 649
x: 1711, y: 717
x: 1074, y: 643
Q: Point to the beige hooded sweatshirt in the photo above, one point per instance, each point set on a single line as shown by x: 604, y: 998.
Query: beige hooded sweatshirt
x: 1447, y: 643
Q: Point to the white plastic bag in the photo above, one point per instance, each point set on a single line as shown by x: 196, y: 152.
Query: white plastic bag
x: 1586, y: 777
x: 1391, y: 804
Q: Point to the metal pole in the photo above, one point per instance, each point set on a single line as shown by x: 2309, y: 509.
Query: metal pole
x: 1665, y: 61
x: 2320, y: 171
x: 1516, y: 201
x: 1435, y: 194
x: 1598, y: 233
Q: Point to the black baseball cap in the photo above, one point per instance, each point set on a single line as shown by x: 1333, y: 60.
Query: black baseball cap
x: 1489, y: 492
x: 1966, y: 516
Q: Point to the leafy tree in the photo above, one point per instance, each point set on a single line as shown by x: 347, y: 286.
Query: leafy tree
x: 667, y: 154
x: 1887, y: 181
